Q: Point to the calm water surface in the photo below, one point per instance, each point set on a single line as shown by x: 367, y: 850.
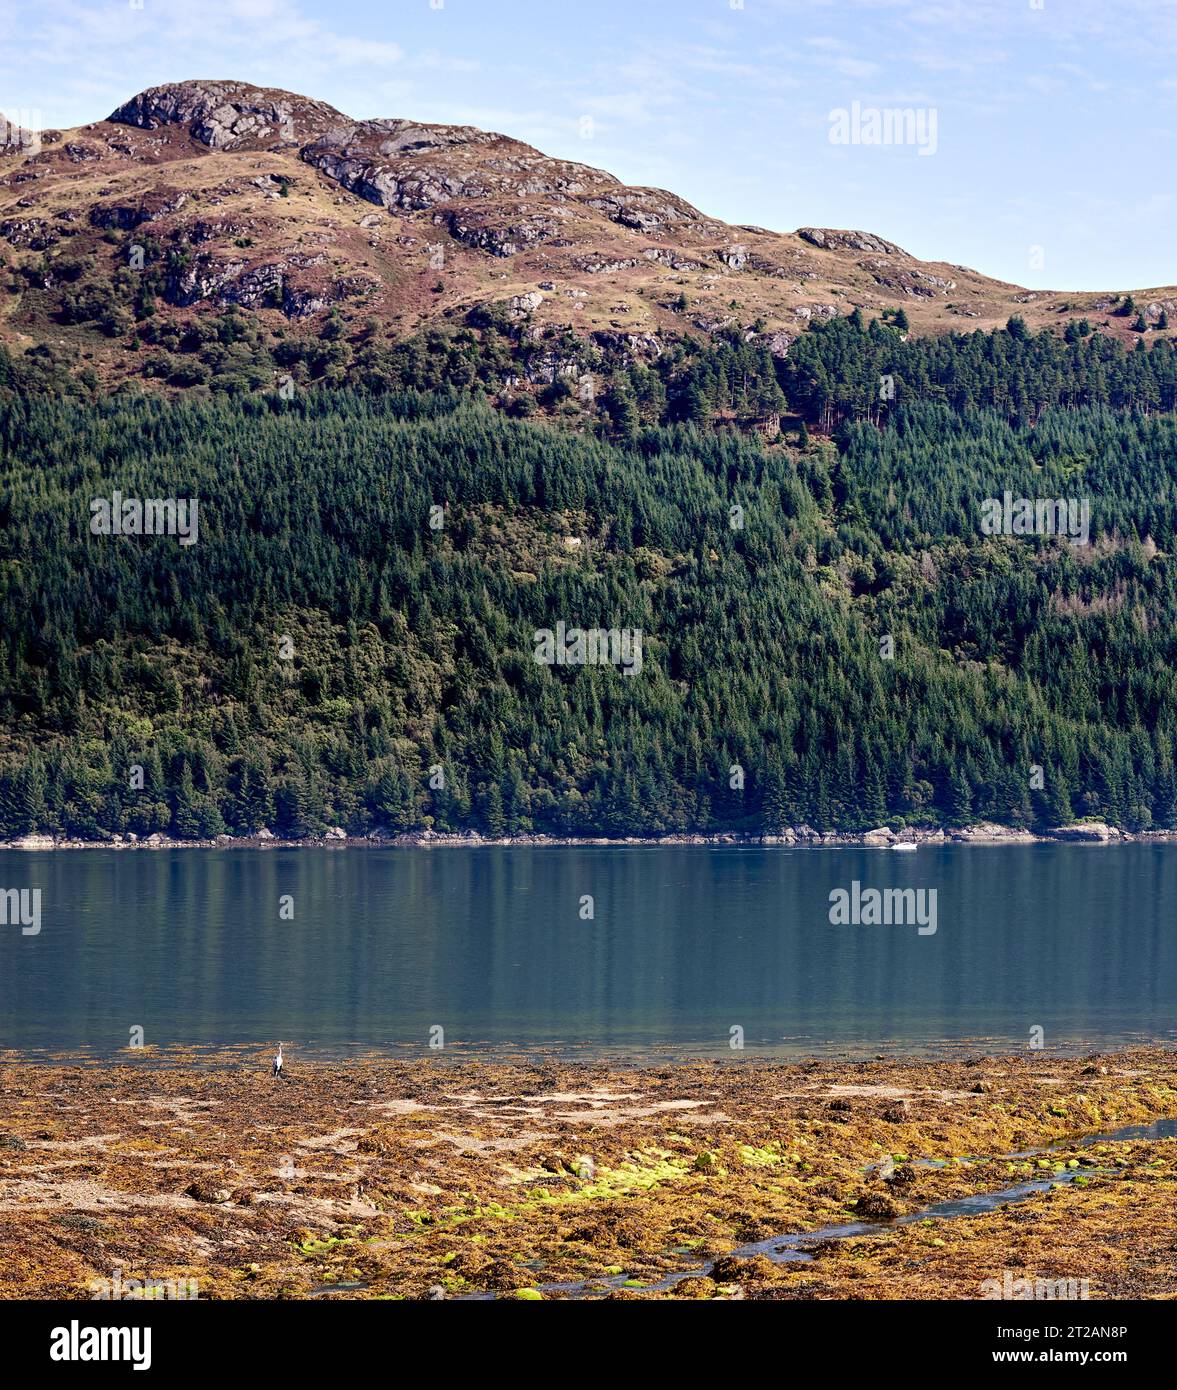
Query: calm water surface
x: 685, y: 944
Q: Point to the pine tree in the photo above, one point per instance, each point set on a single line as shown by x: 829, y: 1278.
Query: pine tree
x: 186, y: 820
x: 253, y: 804
x: 291, y: 820
x: 490, y: 802
x: 960, y: 801
x: 22, y: 801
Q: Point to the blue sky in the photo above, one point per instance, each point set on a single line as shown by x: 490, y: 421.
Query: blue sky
x: 1056, y: 143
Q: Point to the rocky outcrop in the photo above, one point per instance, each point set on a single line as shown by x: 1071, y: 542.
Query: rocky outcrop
x: 287, y: 284
x: 32, y: 232
x: 832, y: 239
x: 734, y: 257
x: 413, y: 191
x: 1088, y: 831
x: 596, y: 264
x: 628, y: 347
x: 474, y: 228
x: 779, y: 343
x: 403, y: 164
x: 763, y: 266
x: 663, y: 255
x: 646, y: 210
x: 125, y: 216
x: 522, y: 304
x: 203, y: 278
x: 203, y: 230
x: 229, y: 115
x: 816, y: 311
x: 907, y: 279
x: 988, y: 833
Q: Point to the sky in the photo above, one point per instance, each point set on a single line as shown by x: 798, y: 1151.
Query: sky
x: 1041, y: 148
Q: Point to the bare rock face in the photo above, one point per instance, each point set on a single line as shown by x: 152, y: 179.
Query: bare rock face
x: 525, y: 303
x: 667, y: 256
x: 229, y: 115
x: 1087, y: 830
x: 412, y: 166
x: 779, y: 343
x: 128, y: 214
x: 830, y: 239
x: 205, y: 278
x: 986, y: 832
x: 483, y: 231
x: 648, y: 209
x: 381, y: 185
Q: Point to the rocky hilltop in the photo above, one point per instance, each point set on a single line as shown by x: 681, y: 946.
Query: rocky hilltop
x: 286, y: 207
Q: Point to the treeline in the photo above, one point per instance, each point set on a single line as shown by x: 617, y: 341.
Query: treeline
x: 827, y: 637
x: 836, y: 372
x: 845, y: 370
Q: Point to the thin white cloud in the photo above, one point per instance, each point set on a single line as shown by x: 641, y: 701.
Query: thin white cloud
x: 65, y: 55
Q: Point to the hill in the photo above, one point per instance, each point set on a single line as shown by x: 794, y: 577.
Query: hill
x: 135, y: 231
x: 269, y: 557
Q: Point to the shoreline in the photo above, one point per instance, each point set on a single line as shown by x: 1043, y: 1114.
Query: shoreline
x: 800, y: 837
x: 624, y: 1058
x: 443, y: 1179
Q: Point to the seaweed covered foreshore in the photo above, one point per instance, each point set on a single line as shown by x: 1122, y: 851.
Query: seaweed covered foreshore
x: 543, y: 1179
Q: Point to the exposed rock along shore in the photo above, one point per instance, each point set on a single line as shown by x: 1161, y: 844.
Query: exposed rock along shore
x: 1083, y: 832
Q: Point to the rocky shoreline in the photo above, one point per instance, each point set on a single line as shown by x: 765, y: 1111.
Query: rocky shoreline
x: 986, y: 833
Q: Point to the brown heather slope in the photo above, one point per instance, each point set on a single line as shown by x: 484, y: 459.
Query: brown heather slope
x: 288, y: 208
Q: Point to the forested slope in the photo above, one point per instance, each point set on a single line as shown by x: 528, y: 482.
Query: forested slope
x: 323, y: 649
